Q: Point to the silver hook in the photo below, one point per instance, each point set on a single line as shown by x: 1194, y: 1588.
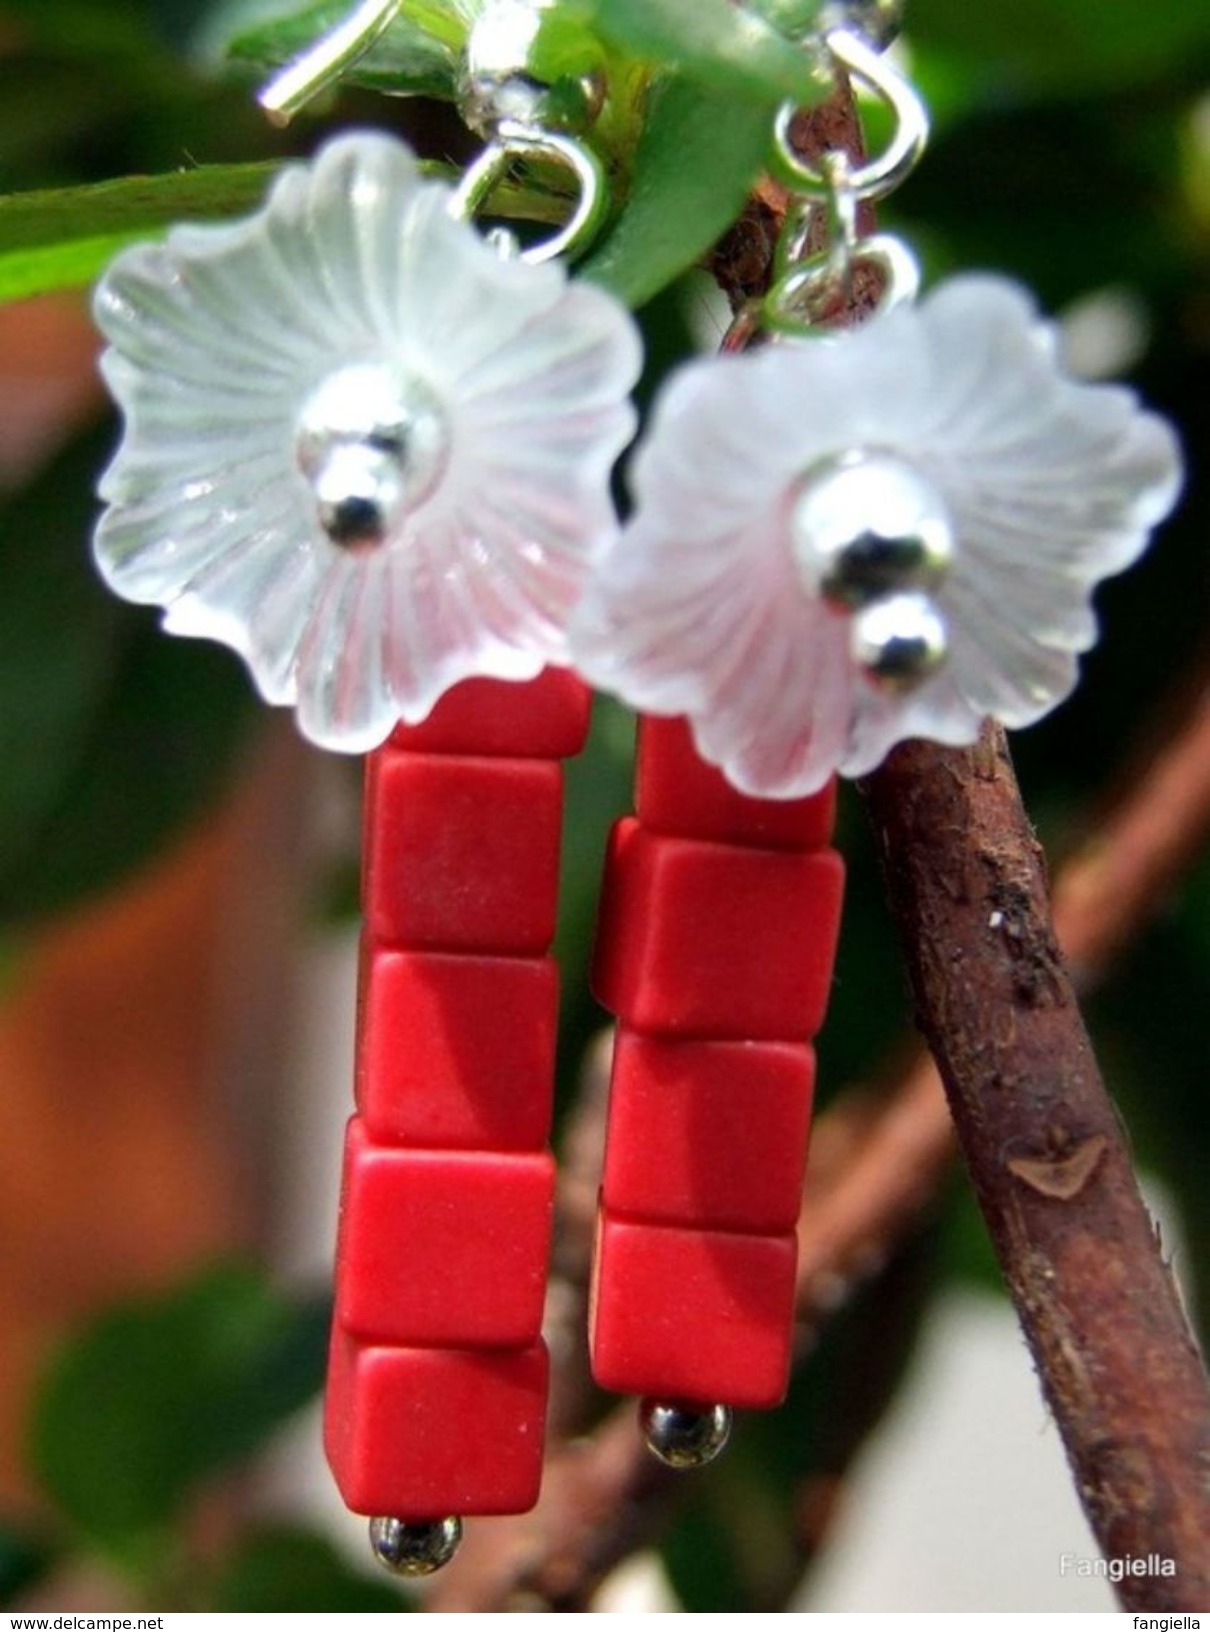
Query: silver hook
x: 513, y: 141
x: 323, y: 62
x: 878, y: 176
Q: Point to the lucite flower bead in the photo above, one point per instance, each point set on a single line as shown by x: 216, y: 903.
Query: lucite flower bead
x: 891, y: 532
x: 362, y: 447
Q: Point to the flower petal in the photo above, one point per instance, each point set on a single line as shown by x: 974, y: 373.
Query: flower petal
x: 1048, y: 484
x: 220, y: 340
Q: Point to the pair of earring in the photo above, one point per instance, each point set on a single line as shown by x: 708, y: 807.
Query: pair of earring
x: 370, y: 448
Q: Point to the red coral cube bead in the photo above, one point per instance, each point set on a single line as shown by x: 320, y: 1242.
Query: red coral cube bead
x: 714, y: 940
x: 462, y: 854
x: 692, y: 1314
x: 442, y: 1247
x: 712, y: 1135
x: 546, y: 718
x: 676, y: 791
x: 419, y: 1434
x: 456, y: 1050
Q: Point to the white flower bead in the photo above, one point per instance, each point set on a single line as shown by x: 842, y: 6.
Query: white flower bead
x: 361, y: 447
x: 888, y: 533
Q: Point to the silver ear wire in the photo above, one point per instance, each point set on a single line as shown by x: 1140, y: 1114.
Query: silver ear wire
x: 323, y: 62
x: 499, y: 83
x: 522, y: 115
x: 876, y: 21
x: 513, y: 141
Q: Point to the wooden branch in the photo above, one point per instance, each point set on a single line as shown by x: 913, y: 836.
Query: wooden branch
x: 1048, y: 1157
x: 872, y: 1175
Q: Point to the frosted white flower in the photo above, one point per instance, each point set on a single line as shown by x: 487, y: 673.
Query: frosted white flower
x: 361, y: 448
x: 981, y: 495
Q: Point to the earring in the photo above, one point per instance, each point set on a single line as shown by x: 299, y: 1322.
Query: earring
x: 840, y: 540
x: 370, y: 450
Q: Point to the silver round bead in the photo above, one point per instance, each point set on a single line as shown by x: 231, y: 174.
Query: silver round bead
x: 866, y: 525
x: 414, y: 1549
x: 877, y: 21
x: 371, y: 446
x: 684, y: 1436
x: 900, y: 642
x: 499, y: 81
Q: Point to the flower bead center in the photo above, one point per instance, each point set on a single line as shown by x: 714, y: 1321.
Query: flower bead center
x: 372, y: 445
x: 865, y: 525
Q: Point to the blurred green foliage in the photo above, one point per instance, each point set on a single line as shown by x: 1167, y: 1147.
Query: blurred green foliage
x: 1072, y: 149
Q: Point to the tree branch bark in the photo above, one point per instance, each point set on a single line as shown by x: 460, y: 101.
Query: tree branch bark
x: 1048, y: 1157
x: 872, y: 1175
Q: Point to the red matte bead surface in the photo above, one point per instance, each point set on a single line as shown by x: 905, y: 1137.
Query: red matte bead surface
x: 715, y: 941
x: 712, y: 1135
x: 546, y: 718
x: 692, y: 1314
x: 440, y: 1247
x: 457, y: 1051
x: 462, y: 854
x: 676, y: 791
x: 422, y: 1433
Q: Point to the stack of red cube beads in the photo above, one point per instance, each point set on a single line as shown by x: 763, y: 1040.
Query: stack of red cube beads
x: 715, y: 951
x: 437, y: 1388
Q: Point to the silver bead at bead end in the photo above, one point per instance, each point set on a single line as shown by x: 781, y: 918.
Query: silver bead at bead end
x: 900, y: 642
x: 414, y: 1549
x: 684, y: 1436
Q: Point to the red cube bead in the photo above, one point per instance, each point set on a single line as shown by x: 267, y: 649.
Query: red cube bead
x: 676, y: 791
x: 442, y: 1247
x: 692, y: 1314
x: 712, y: 1135
x: 462, y: 854
x: 457, y: 1051
x: 419, y: 1434
x: 546, y: 718
x: 715, y: 941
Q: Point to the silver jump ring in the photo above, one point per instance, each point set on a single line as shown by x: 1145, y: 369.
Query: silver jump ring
x: 516, y: 141
x: 839, y: 213
x: 796, y: 301
x: 878, y: 176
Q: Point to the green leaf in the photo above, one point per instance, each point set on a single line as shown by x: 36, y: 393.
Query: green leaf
x: 291, y: 1570
x: 712, y: 42
x: 84, y: 29
x: 1072, y: 47
x: 60, y: 638
x: 25, y: 1559
x: 92, y: 697
x: 418, y: 53
x: 699, y: 1556
x: 61, y: 238
x: 154, y: 1397
x: 71, y: 265
x: 699, y: 153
